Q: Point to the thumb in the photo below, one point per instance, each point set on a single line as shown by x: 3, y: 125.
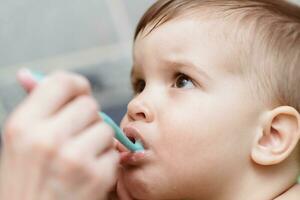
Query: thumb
x: 119, y: 147
x: 26, y: 79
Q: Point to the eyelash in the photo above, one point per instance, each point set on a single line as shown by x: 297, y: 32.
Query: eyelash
x: 139, y: 84
x: 182, y: 76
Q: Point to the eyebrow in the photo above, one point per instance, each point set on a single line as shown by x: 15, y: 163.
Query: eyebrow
x: 177, y: 64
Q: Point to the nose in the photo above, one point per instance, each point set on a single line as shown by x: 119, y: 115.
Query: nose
x: 138, y: 109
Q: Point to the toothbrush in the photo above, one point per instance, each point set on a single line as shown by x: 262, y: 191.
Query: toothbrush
x: 119, y: 135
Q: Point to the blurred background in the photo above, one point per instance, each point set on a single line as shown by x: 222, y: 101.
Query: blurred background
x: 91, y: 37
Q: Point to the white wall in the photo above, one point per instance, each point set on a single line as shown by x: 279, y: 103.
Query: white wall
x: 92, y: 37
x: 296, y: 1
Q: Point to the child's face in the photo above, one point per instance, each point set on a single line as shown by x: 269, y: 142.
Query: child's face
x: 195, y: 115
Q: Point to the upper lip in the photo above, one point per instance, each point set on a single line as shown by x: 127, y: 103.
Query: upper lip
x: 133, y: 132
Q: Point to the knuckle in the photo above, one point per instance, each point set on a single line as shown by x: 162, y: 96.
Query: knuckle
x: 89, y: 103
x: 70, y: 162
x: 107, y: 131
x: 35, y: 140
x: 71, y: 82
x: 59, y: 76
x: 82, y: 81
x: 13, y: 129
x: 31, y: 142
x: 64, y: 81
x: 43, y: 146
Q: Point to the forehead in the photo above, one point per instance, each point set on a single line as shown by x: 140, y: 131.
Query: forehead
x: 203, y: 42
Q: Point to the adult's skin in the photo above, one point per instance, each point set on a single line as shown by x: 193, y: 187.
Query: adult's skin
x: 55, y: 146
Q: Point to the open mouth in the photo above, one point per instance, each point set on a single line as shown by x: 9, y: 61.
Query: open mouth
x: 134, y: 135
x: 138, y: 157
x: 132, y: 139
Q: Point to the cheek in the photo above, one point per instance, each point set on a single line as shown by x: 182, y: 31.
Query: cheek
x: 197, y: 137
x: 188, y: 131
x: 185, y: 144
x: 124, y: 120
x: 193, y: 152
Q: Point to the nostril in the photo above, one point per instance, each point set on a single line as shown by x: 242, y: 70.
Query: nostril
x: 141, y: 115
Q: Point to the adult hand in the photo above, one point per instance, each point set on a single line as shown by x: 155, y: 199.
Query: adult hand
x: 55, y: 146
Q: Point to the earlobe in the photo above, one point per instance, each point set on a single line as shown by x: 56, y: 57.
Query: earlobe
x: 277, y: 137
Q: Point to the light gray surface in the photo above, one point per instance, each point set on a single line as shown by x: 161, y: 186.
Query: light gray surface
x: 92, y: 37
x: 35, y: 29
x: 296, y: 1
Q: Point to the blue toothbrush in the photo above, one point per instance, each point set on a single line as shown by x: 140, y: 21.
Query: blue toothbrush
x: 119, y: 135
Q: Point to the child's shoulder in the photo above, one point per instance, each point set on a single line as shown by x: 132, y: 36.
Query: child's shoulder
x: 292, y: 194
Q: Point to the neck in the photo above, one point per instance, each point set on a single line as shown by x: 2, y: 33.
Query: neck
x: 261, y: 182
x: 291, y: 194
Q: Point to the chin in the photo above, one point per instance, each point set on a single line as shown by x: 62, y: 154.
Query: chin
x: 139, y: 186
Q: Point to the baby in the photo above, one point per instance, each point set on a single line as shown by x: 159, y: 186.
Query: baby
x: 216, y: 102
x: 216, y: 107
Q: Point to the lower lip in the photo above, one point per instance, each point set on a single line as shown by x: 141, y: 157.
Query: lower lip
x: 133, y: 158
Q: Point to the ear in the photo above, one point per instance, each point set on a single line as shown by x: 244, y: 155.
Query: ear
x: 278, y: 136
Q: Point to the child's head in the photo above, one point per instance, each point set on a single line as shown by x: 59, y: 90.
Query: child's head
x: 216, y: 99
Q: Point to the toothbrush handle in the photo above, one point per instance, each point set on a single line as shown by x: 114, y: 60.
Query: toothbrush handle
x: 120, y: 136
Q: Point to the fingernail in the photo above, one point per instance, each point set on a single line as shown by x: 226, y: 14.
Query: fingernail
x: 27, y: 73
x: 38, y: 76
x: 24, y: 72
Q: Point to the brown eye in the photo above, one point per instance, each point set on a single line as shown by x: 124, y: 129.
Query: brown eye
x: 138, y: 86
x: 183, y: 81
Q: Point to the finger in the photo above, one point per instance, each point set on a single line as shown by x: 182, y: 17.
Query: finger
x: 53, y: 92
x: 76, y: 116
x: 120, y: 147
x: 26, y: 80
x: 122, y: 191
x: 107, y: 167
x: 94, y: 141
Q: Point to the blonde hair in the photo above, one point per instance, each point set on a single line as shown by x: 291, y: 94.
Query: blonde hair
x: 268, y: 31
